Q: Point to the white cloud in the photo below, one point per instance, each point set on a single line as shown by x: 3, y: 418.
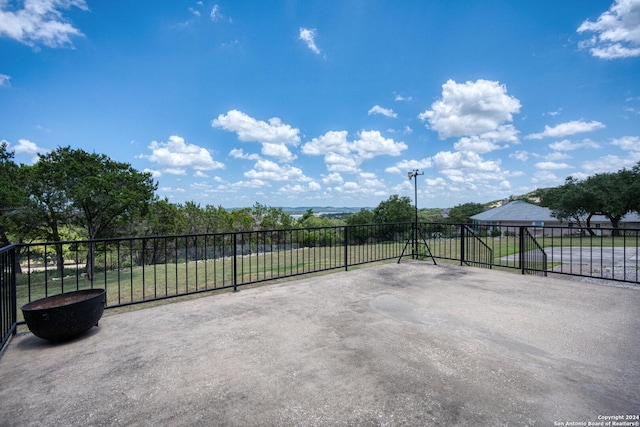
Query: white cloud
x: 279, y: 151
x: 330, y: 142
x: 387, y: 112
x: 238, y: 153
x: 340, y: 155
x: 628, y: 143
x: 30, y: 148
x: 332, y: 178
x: 565, y: 129
x: 309, y: 37
x: 610, y: 163
x: 476, y: 144
x: 271, y: 171
x: 408, y: 165
x: 372, y: 144
x: 40, y: 22
x: 566, y: 145
x: 154, y: 173
x: 523, y: 156
x: 555, y: 156
x: 551, y: 166
x: 617, y: 31
x: 273, y: 135
x: 249, y: 129
x: 5, y: 80
x: 470, y: 108
x: 176, y: 155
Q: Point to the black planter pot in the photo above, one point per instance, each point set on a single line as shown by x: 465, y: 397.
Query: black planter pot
x: 65, y: 316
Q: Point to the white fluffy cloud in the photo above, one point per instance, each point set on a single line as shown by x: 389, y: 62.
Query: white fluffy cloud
x: 470, y: 108
x: 566, y: 129
x: 387, y: 112
x: 249, y: 129
x: 551, y: 166
x: 628, y: 143
x: 39, y: 22
x: 341, y: 155
x: 309, y: 37
x: 175, y: 156
x: 271, y: 171
x: 27, y: 147
x: 274, y: 135
x: 566, y: 145
x: 616, y: 31
x: 408, y: 165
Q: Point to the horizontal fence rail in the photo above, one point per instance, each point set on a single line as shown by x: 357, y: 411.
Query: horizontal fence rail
x: 142, y: 269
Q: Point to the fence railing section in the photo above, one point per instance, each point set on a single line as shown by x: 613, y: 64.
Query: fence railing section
x: 533, y: 258
x: 141, y: 269
x: 8, y: 306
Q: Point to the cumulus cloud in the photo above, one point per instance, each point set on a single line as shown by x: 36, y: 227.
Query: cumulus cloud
x: 408, y: 165
x: 551, y: 166
x: 628, y: 143
x: 175, y: 156
x: 616, y: 31
x: 238, y: 153
x: 470, y: 108
x: 274, y: 135
x: 566, y: 129
x: 40, y: 22
x: 271, y: 171
x: 566, y: 145
x: 342, y: 155
x: 332, y: 179
x: 28, y: 147
x: 387, y: 112
x: 308, y: 36
x: 249, y: 129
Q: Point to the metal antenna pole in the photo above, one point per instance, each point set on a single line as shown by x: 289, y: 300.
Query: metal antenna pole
x: 415, y: 174
x: 415, y: 232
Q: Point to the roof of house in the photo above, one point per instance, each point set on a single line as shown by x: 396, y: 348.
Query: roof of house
x: 519, y: 210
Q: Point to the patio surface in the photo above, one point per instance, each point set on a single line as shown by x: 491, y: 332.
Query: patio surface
x: 397, y: 344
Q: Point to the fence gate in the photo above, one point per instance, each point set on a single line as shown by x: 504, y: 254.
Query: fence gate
x: 533, y: 258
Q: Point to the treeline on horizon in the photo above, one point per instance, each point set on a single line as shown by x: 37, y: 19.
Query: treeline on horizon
x: 70, y: 194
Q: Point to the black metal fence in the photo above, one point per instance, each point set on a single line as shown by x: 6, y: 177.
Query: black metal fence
x: 8, y: 303
x: 142, y: 269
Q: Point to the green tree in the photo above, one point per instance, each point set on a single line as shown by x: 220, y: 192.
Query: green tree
x: 13, y: 198
x: 362, y: 218
x: 461, y: 214
x: 394, y: 209
x: 612, y: 195
x: 103, y: 193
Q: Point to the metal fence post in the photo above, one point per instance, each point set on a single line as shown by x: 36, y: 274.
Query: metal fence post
x: 462, y: 244
x: 521, y: 249
x: 235, y: 262
x: 346, y: 248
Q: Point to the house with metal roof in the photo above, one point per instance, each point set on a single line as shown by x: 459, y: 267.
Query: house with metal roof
x: 520, y: 213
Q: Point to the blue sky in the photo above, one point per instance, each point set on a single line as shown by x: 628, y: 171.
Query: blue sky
x: 298, y: 103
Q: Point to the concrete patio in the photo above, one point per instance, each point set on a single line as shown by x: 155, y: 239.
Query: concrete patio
x: 408, y: 344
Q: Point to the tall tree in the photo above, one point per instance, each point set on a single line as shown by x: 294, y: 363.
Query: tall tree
x: 12, y: 194
x: 103, y: 192
x: 462, y: 213
x: 394, y: 209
